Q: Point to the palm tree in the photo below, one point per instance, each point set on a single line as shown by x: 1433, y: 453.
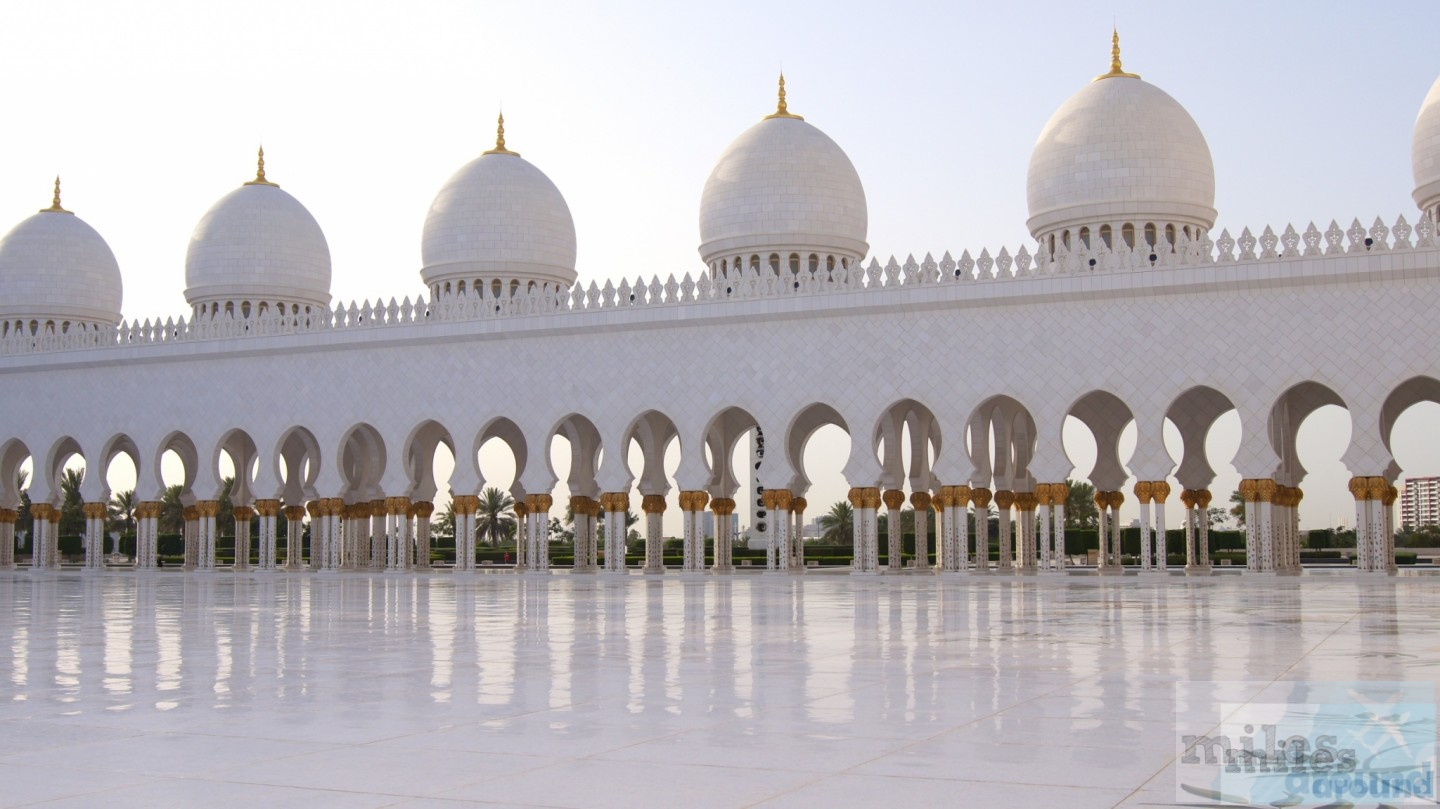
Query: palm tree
x: 172, y: 511
x: 72, y: 511
x: 838, y: 524
x: 122, y: 510
x: 24, y: 522
x: 495, y: 519
x: 1237, y: 510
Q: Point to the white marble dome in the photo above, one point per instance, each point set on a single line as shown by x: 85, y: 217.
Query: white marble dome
x: 257, y: 245
x: 498, y: 219
x: 783, y: 187
x: 1121, y: 152
x: 56, y: 272
x: 1425, y: 153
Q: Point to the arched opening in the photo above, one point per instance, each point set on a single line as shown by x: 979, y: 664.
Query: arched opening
x: 907, y: 441
x: 1100, y: 426
x: 652, y: 455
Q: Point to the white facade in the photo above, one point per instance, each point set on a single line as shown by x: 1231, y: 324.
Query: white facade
x: 344, y: 407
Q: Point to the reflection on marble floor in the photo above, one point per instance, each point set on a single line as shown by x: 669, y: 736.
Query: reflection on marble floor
x: 161, y: 690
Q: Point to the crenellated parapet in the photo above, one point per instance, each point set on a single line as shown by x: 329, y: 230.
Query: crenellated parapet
x: 947, y: 277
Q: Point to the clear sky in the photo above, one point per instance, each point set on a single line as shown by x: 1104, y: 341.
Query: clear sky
x: 151, y: 111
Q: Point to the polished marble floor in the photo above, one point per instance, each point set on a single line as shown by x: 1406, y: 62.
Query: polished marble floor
x: 218, y: 690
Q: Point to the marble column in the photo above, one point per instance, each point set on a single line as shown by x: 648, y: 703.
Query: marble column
x: 921, y: 502
x: 894, y: 500
x: 777, y: 502
x: 1159, y: 493
x: 463, y: 507
x: 1116, y: 500
x: 1102, y: 525
x: 653, y: 506
x: 207, y: 524
x: 797, y: 533
x: 538, y: 506
x: 268, y: 511
x: 95, y: 514
x: 522, y: 536
x: 397, y: 534
x: 1027, y: 559
x: 1202, y: 527
x: 8, y: 517
x: 1259, y: 549
x: 1004, y: 501
x: 1059, y: 494
x: 189, y: 533
x: 242, y: 516
x: 617, y: 507
x: 1370, y: 546
x: 722, y: 508
x: 378, y: 534
x: 1386, y: 502
x: 317, y: 509
x: 980, y: 499
x: 1142, y: 494
x: 864, y: 504
x: 39, y: 535
x: 421, y: 510
x: 1042, y: 518
x: 692, y: 505
x: 295, y: 536
x: 53, y: 532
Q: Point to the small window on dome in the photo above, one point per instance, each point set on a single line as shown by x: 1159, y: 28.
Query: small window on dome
x: 1150, y: 233
x: 495, y: 288
x: 814, y: 262
x: 755, y: 263
x: 514, y: 287
x: 1085, y: 238
x: 1127, y: 234
x: 794, y: 263
x: 1105, y: 236
x: 775, y: 263
x: 830, y: 263
x: 1052, y: 242
x: 1065, y: 239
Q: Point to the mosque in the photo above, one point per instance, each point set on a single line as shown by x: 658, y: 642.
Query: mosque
x: 952, y: 376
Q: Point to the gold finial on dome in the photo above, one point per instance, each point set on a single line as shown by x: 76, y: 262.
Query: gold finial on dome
x: 781, y: 110
x: 260, y: 171
x: 1116, y: 71
x: 55, y: 201
x: 500, y: 138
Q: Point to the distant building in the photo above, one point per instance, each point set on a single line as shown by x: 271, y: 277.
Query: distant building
x: 1420, y: 502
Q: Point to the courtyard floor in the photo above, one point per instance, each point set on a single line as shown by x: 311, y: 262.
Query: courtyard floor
x: 350, y: 690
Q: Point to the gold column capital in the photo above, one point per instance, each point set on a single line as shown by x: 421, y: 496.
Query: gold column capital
x: 242, y: 513
x: 652, y: 503
x: 294, y: 513
x: 979, y: 497
x: 722, y: 506
x: 920, y: 501
x: 1159, y: 490
x: 893, y: 498
x: 1004, y: 499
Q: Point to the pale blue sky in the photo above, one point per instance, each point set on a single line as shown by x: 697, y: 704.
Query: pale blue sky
x: 151, y: 111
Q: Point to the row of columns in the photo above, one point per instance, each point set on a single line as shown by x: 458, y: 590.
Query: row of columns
x: 379, y: 534
x: 1374, y: 524
x: 1272, y: 536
